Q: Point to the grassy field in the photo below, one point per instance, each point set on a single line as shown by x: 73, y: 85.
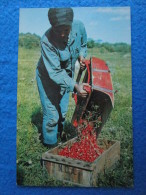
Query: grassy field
x: 29, y: 120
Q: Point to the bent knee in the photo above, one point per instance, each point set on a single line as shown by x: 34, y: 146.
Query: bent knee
x: 52, y: 121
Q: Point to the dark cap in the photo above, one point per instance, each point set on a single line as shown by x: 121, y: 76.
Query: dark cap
x: 60, y: 16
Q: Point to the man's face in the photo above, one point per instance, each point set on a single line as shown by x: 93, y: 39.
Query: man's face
x: 62, y: 31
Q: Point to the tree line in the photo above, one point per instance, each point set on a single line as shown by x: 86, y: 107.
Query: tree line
x: 110, y: 47
x: 30, y: 41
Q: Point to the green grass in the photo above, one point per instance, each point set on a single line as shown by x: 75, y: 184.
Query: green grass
x: 29, y: 120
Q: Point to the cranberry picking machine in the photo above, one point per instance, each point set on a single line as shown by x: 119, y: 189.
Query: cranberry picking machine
x: 101, y: 94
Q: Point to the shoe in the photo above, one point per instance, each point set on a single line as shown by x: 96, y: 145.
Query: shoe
x: 63, y: 137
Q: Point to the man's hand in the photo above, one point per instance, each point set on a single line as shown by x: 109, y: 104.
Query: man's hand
x: 82, y: 63
x: 80, y: 91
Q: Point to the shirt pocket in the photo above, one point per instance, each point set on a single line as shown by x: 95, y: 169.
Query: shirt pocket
x: 77, y: 50
x: 76, y: 47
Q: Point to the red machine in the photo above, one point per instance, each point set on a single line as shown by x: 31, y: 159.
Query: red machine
x: 100, y: 101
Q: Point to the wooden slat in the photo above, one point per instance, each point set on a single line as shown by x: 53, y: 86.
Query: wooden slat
x: 66, y: 161
x: 79, y: 172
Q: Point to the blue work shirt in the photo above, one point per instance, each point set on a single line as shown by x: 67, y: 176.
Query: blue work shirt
x: 59, y: 63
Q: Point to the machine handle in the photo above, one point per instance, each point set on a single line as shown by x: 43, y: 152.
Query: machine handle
x: 79, y: 75
x: 87, y: 64
x: 86, y: 88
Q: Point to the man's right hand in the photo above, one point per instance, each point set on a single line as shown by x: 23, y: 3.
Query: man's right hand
x: 80, y: 91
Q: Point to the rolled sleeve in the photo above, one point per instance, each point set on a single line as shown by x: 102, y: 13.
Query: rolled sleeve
x: 52, y: 63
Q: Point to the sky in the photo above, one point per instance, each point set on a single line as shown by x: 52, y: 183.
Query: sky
x: 109, y: 24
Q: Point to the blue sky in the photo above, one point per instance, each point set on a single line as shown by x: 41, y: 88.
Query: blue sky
x: 110, y: 24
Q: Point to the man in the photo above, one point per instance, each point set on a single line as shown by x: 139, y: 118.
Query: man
x: 61, y: 46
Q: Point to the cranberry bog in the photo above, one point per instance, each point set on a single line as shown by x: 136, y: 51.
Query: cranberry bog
x: 78, y: 172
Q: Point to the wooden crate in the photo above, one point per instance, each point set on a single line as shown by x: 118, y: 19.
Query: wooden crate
x: 77, y: 172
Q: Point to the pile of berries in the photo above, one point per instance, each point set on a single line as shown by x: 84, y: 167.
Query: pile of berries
x: 85, y: 148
